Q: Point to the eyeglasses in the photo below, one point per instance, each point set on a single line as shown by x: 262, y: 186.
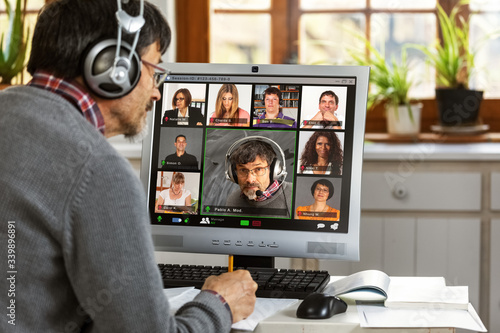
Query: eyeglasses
x: 159, y: 75
x: 179, y: 99
x: 322, y: 189
x: 261, y: 171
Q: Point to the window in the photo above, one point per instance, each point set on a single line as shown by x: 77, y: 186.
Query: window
x: 240, y: 31
x: 321, y: 32
x: 232, y: 45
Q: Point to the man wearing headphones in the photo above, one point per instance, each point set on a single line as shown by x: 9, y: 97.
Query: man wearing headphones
x: 254, y: 167
x: 72, y: 210
x: 273, y: 117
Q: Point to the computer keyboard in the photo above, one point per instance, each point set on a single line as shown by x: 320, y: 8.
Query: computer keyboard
x: 272, y: 282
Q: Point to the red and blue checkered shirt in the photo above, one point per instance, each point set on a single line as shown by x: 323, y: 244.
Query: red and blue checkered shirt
x: 269, y: 192
x: 74, y: 93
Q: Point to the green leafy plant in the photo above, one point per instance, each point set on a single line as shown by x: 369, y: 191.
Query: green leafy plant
x: 390, y: 81
x: 13, y: 45
x: 452, y: 57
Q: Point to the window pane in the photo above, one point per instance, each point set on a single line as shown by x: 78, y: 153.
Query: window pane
x: 487, y: 74
x: 35, y: 4
x: 32, y: 4
x: 484, y: 5
x: 403, y: 4
x: 240, y: 38
x: 4, y: 23
x: 325, y: 38
x: 392, y: 32
x: 331, y: 4
x: 240, y: 4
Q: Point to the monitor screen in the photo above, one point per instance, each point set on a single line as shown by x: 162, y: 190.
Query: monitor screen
x: 257, y: 160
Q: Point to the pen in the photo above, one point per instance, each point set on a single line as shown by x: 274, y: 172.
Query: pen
x: 230, y: 263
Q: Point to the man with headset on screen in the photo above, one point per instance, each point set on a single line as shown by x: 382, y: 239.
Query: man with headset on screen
x: 273, y: 116
x: 72, y: 209
x: 252, y: 163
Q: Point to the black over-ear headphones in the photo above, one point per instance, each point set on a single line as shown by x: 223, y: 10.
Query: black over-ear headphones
x: 277, y: 168
x: 112, y: 68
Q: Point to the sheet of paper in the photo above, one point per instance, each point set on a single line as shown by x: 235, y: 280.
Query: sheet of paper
x: 452, y: 297
x: 264, y: 307
x: 380, y: 316
x: 174, y: 292
x: 177, y: 297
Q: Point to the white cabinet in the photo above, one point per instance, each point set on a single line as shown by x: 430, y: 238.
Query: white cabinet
x: 434, y: 209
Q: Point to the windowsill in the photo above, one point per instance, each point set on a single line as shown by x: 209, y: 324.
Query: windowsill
x: 419, y: 152
x: 433, y: 138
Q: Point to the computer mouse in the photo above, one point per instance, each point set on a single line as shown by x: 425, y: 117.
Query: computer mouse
x: 320, y: 306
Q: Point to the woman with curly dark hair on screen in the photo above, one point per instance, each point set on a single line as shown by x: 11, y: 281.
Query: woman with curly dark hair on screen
x: 322, y: 155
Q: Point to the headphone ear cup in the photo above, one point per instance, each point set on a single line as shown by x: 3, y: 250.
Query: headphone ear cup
x: 107, y: 79
x: 230, y: 170
x: 277, y: 169
x: 234, y: 175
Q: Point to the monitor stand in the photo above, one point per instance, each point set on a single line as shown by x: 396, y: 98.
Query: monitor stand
x: 253, y: 261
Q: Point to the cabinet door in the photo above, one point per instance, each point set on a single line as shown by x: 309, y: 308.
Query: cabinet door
x: 450, y: 248
x: 386, y: 244
x: 495, y: 191
x: 495, y: 277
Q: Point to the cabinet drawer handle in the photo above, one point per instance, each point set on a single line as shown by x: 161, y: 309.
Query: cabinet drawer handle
x: 399, y: 191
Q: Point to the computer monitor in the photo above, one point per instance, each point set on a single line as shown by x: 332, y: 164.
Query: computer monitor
x: 277, y: 175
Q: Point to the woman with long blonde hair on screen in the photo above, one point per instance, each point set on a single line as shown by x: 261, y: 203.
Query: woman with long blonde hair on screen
x: 227, y: 112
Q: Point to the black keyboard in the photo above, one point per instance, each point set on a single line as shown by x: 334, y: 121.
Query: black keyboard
x: 273, y: 282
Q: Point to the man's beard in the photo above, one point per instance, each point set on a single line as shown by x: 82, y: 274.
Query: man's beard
x: 139, y: 136
x: 133, y: 134
x: 251, y: 194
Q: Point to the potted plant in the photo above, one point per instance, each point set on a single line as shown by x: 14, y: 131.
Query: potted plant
x: 453, y: 59
x: 390, y: 84
x: 13, y: 44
